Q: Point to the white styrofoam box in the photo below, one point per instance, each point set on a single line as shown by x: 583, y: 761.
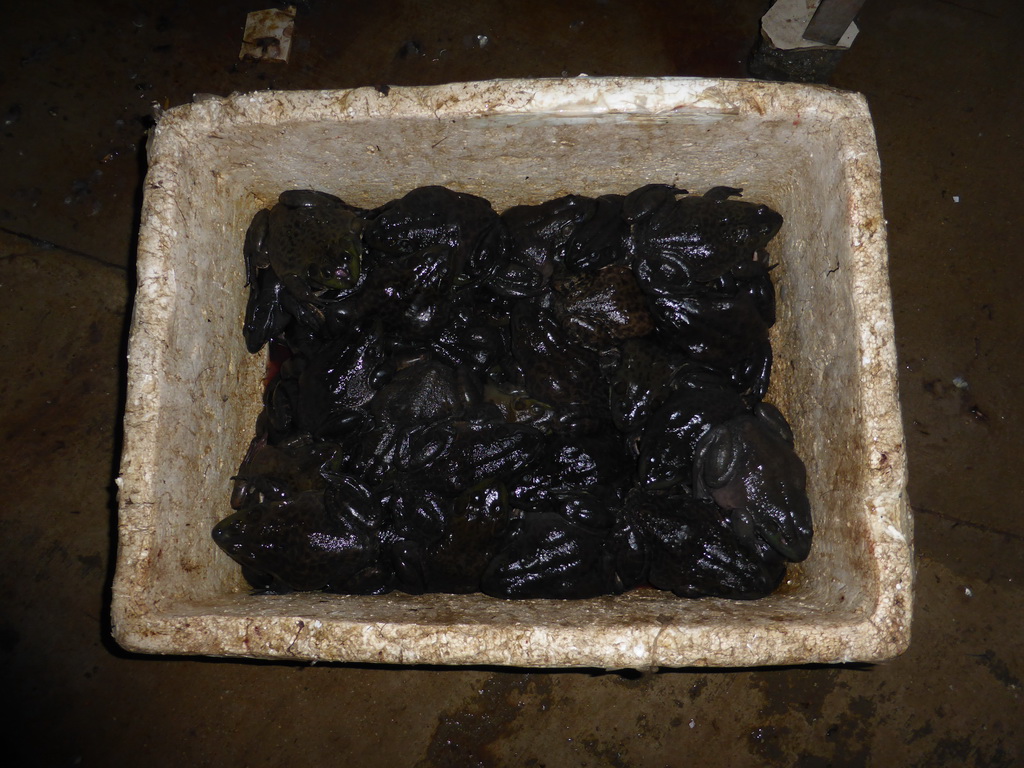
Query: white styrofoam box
x: 194, y: 392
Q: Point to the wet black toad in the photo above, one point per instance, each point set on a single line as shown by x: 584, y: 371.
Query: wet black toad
x: 560, y: 401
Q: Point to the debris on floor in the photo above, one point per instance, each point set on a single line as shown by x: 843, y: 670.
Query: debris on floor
x: 784, y: 53
x: 785, y: 23
x: 268, y: 35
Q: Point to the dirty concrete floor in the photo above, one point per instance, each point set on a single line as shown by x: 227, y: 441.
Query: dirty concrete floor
x: 76, y: 86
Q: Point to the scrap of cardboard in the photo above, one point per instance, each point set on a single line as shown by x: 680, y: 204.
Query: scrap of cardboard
x: 268, y: 34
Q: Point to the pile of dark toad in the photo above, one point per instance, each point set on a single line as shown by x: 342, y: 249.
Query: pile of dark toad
x: 561, y: 401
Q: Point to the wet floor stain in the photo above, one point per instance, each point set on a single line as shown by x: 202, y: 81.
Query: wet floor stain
x: 464, y: 737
